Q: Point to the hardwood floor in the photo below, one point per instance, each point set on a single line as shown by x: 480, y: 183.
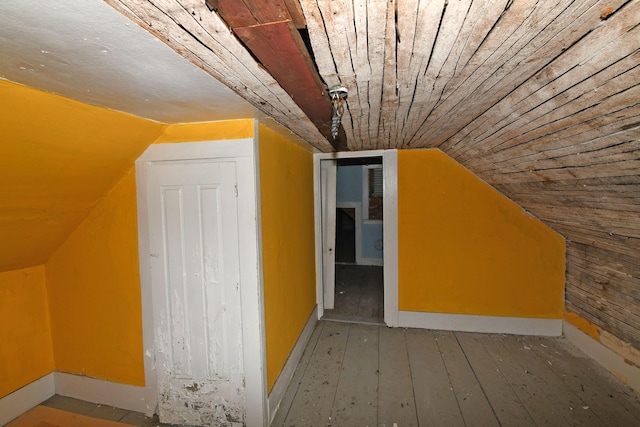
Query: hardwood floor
x: 354, y: 374
x: 371, y: 375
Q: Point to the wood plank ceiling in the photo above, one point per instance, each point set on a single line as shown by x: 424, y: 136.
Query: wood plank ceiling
x: 538, y: 98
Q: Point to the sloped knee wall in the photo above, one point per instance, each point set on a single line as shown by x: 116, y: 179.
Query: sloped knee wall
x: 466, y: 249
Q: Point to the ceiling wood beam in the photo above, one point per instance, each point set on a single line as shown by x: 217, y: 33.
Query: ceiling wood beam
x: 297, y: 15
x: 269, y: 32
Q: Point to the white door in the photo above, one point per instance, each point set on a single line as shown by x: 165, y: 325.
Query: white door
x: 328, y: 178
x: 193, y: 226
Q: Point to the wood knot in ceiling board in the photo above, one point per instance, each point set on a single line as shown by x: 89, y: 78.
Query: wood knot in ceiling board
x: 606, y: 13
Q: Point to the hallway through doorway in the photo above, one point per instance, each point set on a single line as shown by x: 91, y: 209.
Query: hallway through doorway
x: 359, y: 294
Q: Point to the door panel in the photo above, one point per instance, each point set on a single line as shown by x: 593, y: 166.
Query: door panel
x: 328, y: 177
x: 196, y: 295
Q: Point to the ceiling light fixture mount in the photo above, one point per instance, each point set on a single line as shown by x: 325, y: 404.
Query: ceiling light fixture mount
x: 338, y: 95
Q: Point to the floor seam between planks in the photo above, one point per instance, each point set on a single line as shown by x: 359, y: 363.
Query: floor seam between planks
x: 475, y: 375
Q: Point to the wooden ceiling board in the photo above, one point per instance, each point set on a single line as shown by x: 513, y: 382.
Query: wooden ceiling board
x: 519, y: 57
x: 576, y: 75
x: 539, y: 99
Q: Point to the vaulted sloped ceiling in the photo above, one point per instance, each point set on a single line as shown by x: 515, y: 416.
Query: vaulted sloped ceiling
x: 538, y: 98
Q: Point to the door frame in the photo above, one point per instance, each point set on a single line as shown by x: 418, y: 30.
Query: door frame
x: 243, y: 152
x: 328, y: 180
x: 389, y: 227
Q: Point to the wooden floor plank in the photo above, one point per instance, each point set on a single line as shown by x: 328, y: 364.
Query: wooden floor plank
x: 292, y: 389
x: 418, y: 377
x: 507, y: 406
x: 395, y: 392
x: 473, y: 402
x: 436, y: 402
x: 613, y: 402
x: 356, y: 401
x: 314, y: 400
x: 531, y: 393
x: 561, y: 398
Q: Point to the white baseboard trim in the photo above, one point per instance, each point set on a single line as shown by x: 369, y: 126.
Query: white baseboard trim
x: 95, y: 390
x: 281, y: 384
x: 606, y: 357
x: 487, y: 324
x: 20, y: 401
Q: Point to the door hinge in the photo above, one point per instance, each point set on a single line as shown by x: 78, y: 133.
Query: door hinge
x: 235, y: 189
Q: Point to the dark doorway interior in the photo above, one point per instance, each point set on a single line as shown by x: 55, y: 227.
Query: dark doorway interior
x: 346, y: 235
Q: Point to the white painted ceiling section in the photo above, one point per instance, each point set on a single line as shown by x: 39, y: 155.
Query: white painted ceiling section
x: 87, y: 51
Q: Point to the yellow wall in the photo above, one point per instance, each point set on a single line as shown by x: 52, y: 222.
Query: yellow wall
x: 66, y: 203
x: 58, y: 158
x: 208, y: 131
x: 25, y: 339
x: 286, y: 202
x: 466, y: 249
x: 93, y: 278
x: 94, y: 292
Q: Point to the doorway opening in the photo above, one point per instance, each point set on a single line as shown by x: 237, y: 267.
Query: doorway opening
x: 358, y: 293
x: 385, y: 246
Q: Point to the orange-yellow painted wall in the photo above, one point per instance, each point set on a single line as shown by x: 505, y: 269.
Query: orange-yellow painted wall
x: 94, y: 292
x: 208, y: 131
x: 466, y: 249
x: 25, y: 335
x: 69, y: 205
x: 58, y: 157
x: 286, y: 203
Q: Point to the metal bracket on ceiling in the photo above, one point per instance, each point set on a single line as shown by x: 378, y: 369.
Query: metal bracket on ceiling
x: 338, y: 95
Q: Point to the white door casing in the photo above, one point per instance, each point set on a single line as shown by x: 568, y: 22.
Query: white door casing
x: 390, y: 227
x: 328, y: 176
x: 204, y: 338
